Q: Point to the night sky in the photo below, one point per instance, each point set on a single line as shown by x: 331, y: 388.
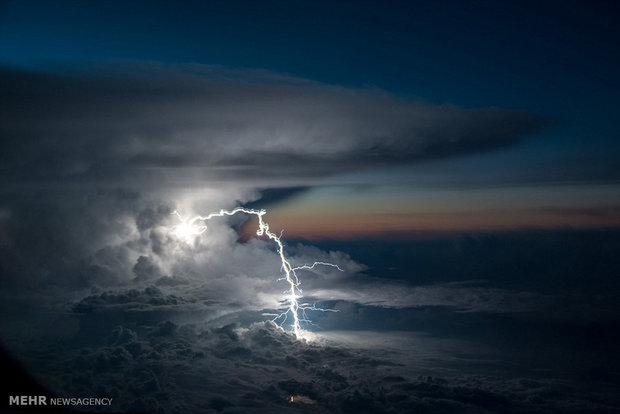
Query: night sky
x: 459, y: 162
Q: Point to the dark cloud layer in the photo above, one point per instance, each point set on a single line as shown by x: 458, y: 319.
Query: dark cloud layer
x: 170, y: 368
x: 200, y: 123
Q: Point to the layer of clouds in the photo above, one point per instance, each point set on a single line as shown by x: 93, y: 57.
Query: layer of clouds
x: 467, y: 299
x: 150, y: 124
x: 167, y: 367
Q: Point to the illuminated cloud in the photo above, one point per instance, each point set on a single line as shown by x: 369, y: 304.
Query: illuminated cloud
x: 95, y: 160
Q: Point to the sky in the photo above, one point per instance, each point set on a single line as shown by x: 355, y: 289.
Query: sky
x: 458, y: 162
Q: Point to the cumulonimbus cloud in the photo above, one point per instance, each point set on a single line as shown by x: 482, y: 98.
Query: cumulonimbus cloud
x: 92, y: 161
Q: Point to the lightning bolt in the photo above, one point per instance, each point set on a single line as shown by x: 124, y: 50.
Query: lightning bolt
x: 195, y: 226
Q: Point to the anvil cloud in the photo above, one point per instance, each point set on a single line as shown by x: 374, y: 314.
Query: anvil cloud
x: 193, y: 124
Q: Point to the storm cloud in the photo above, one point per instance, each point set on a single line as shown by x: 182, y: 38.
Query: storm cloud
x: 152, y: 124
x: 96, y: 158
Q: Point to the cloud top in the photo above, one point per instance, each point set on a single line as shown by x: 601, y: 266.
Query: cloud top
x: 150, y: 122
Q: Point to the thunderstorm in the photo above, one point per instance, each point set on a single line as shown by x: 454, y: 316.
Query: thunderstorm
x: 295, y: 310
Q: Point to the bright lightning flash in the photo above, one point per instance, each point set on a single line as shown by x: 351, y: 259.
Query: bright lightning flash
x: 188, y: 229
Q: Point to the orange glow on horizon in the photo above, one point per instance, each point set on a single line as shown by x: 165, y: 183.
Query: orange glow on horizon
x: 318, y: 225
